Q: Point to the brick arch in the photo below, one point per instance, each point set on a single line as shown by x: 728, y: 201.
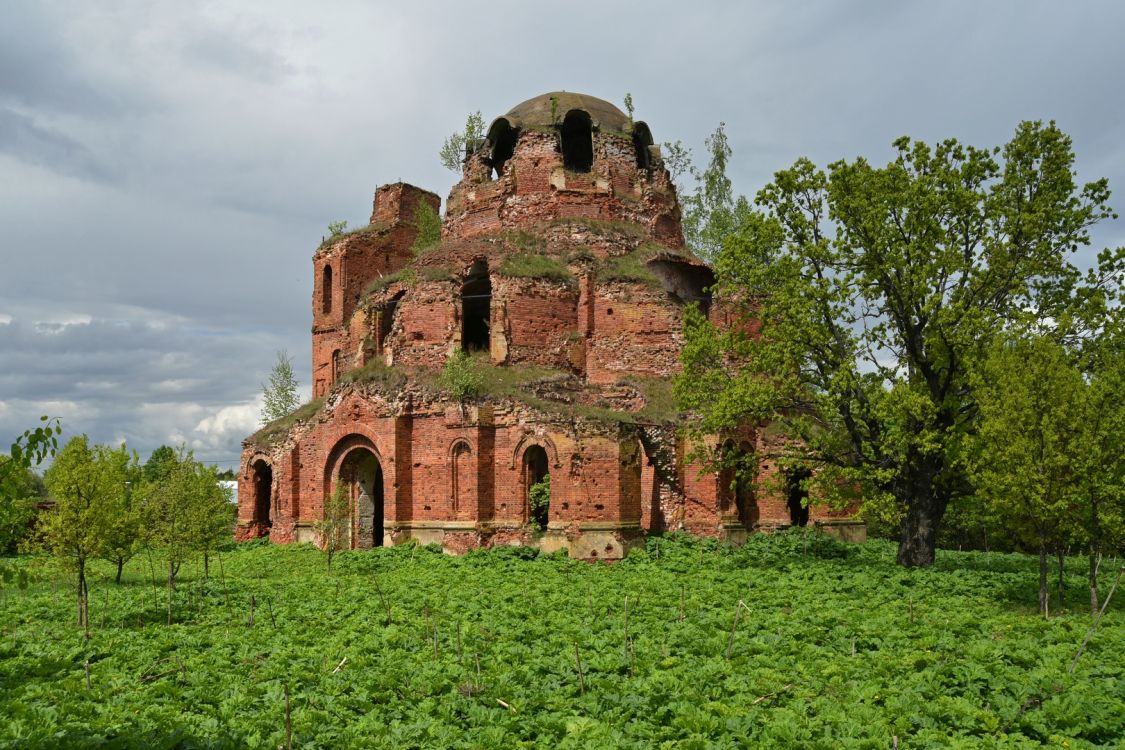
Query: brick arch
x: 340, y: 451
x: 543, y: 442
x: 458, y: 442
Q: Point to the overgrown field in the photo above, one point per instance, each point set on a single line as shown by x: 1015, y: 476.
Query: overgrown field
x: 405, y: 647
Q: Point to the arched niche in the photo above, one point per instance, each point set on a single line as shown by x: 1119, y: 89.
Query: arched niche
x: 356, y: 462
x: 642, y: 139
x: 326, y: 290
x: 461, y: 475
x: 576, y: 136
x: 502, y: 137
x: 535, y: 470
x: 261, y: 473
x: 476, y: 308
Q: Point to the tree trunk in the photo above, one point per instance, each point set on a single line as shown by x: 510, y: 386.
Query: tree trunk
x: 1093, y: 581
x: 120, y: 565
x: 206, y: 566
x: 83, y: 596
x: 171, y: 588
x: 924, y: 509
x: 1061, y: 559
x: 1043, y: 595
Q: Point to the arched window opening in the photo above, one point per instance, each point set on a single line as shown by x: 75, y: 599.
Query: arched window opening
x: 263, y: 487
x: 363, y: 477
x: 476, y: 300
x: 502, y: 139
x: 336, y: 364
x: 461, y: 471
x: 326, y: 290
x: 642, y: 139
x: 387, y: 320
x: 537, y: 486
x: 797, y: 495
x: 577, y: 141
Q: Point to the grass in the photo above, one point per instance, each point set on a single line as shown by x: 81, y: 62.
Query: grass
x: 528, y: 266
x: 279, y: 428
x: 370, y: 229
x: 376, y: 372
x: 833, y: 647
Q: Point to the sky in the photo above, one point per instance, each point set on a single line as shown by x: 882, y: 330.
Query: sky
x: 167, y: 168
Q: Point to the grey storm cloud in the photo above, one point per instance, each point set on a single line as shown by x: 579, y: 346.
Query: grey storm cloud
x: 168, y: 168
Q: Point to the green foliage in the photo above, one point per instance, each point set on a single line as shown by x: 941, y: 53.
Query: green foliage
x: 369, y: 231
x: 428, y: 224
x: 529, y: 266
x: 840, y: 648
x: 185, y: 513
x: 630, y: 268
x: 376, y: 371
x: 711, y: 212
x: 678, y: 162
x: 337, y: 228
x: 458, y: 146
x: 629, y: 106
x: 461, y: 377
x: 279, y: 397
x: 88, y: 485
x: 335, y: 526
x: 539, y: 500
x: 874, y: 291
x: 19, y: 492
x: 160, y: 463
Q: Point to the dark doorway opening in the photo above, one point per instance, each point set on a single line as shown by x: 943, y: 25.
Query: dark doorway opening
x: 537, y: 486
x: 476, y: 300
x: 364, y: 475
x: 798, y: 496
x: 263, y: 487
x: 577, y: 141
x: 642, y: 139
x: 502, y: 139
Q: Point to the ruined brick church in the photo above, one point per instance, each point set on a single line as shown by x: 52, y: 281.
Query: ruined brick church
x: 561, y: 270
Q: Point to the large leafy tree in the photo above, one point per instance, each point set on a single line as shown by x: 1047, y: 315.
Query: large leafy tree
x: 856, y: 300
x: 88, y: 486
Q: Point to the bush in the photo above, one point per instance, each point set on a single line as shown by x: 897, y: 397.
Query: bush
x: 461, y: 377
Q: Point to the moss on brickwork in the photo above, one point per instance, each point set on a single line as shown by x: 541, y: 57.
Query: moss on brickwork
x: 376, y: 371
x: 529, y: 266
x: 279, y: 428
x: 371, y: 230
x: 629, y: 268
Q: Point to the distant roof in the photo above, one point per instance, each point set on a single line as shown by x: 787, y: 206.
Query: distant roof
x: 537, y: 110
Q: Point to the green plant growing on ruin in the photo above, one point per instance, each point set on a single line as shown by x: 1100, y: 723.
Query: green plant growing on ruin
x: 629, y: 106
x: 459, y: 145
x: 428, y: 224
x: 460, y: 376
x: 529, y: 266
x: 337, y: 228
x: 333, y: 528
x: 279, y: 397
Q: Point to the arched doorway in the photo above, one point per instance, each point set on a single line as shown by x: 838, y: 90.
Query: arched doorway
x: 797, y: 494
x: 362, y: 474
x: 263, y: 488
x: 476, y: 308
x: 537, y: 486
